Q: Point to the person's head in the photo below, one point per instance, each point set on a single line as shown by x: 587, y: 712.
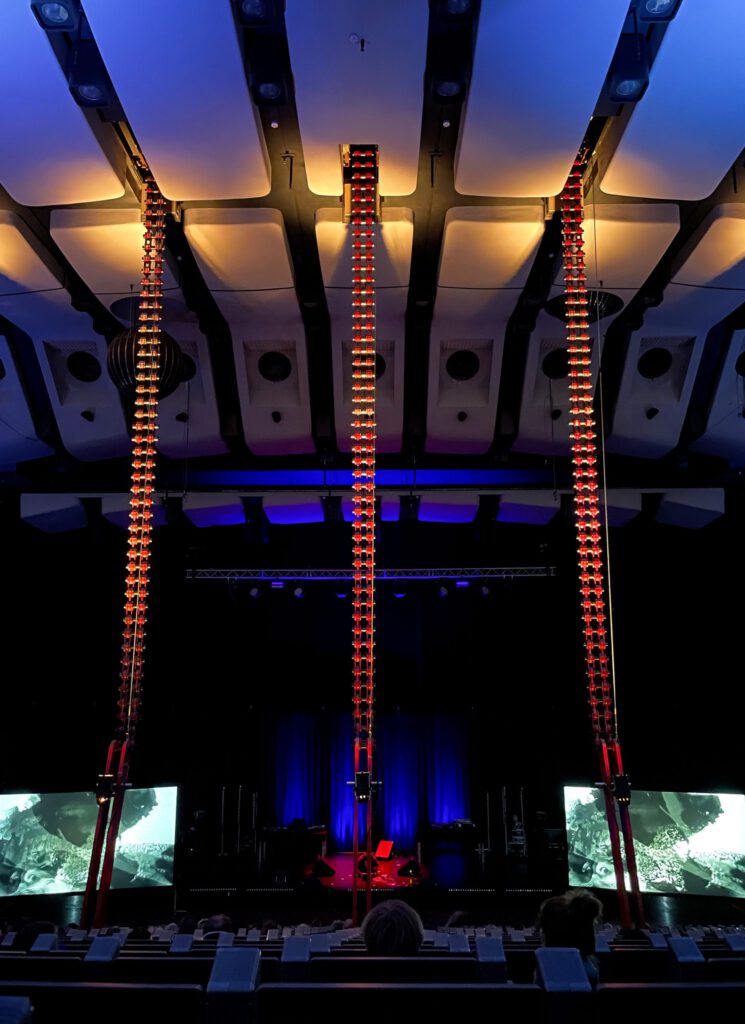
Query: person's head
x: 569, y: 920
x: 218, y: 923
x: 392, y: 928
x: 30, y: 932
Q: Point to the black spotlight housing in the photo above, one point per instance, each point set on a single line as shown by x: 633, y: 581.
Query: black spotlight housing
x: 62, y: 16
x: 629, y: 74
x: 656, y: 10
x: 87, y: 77
x: 260, y: 14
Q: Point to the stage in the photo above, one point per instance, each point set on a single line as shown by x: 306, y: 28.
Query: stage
x: 385, y: 874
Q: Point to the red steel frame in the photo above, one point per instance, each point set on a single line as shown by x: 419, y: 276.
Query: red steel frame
x: 113, y: 784
x: 598, y: 660
x: 361, y: 177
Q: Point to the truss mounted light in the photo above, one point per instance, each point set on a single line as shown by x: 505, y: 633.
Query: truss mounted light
x: 657, y: 10
x: 629, y: 74
x: 62, y: 16
x: 258, y: 13
x: 87, y: 77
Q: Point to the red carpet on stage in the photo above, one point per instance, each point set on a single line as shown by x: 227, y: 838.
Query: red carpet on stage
x: 385, y: 877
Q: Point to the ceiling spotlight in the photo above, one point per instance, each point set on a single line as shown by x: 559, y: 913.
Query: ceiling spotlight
x: 254, y: 592
x: 63, y: 16
x: 462, y: 584
x: 255, y: 9
x: 657, y: 10
x: 298, y: 592
x: 342, y: 594
x: 87, y: 79
x: 399, y: 592
x: 269, y: 91
x: 448, y: 90
x: 443, y: 592
x: 257, y: 13
x: 629, y: 74
x: 484, y: 590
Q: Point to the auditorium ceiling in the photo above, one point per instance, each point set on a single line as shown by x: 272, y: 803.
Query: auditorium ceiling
x: 478, y: 109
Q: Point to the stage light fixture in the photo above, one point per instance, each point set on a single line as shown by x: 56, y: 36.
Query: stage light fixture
x: 462, y: 584
x: 629, y: 74
x: 63, y: 16
x: 443, y: 592
x: 258, y: 13
x: 484, y: 590
x: 657, y: 10
x: 87, y: 78
x: 254, y: 593
x: 298, y: 592
x: 411, y: 869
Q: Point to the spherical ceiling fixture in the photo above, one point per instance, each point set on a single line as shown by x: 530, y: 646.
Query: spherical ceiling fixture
x: 599, y: 305
x: 121, y: 361
x: 462, y: 365
x: 57, y: 17
x: 629, y: 88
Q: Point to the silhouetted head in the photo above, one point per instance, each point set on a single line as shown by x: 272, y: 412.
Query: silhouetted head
x: 30, y: 932
x: 218, y: 923
x: 392, y: 928
x: 569, y: 920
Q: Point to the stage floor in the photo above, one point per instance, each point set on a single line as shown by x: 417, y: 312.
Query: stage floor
x: 385, y: 877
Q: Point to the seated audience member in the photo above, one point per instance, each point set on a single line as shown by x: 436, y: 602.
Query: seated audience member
x: 570, y: 920
x: 392, y: 928
x: 30, y: 932
x: 140, y: 933
x: 215, y: 924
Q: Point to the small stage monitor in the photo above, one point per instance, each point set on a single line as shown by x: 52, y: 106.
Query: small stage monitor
x: 684, y: 842
x: 384, y: 850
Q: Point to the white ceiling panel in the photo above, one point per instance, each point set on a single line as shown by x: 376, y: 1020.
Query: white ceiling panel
x: 18, y: 440
x: 487, y: 254
x: 623, y: 244
x: 394, y: 237
x: 724, y: 435
x: 89, y: 413
x: 178, y: 72
x: 705, y: 288
x: 105, y: 247
x: 49, y: 154
x: 690, y: 125
x: 244, y: 259
x: 347, y: 94
x: 692, y: 508
x: 538, y: 71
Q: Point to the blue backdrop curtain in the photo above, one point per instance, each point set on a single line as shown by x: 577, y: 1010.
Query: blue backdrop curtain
x: 398, y: 752
x: 447, y: 768
x: 299, y: 769
x: 422, y: 762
